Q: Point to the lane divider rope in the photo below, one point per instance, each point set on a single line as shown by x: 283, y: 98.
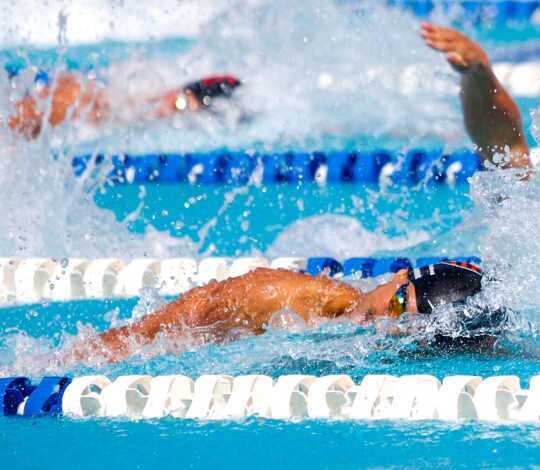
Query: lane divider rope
x: 409, y: 397
x: 413, y: 167
x: 35, y: 279
x: 475, y: 11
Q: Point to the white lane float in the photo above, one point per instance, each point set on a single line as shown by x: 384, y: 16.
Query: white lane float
x: 290, y: 397
x: 101, y: 276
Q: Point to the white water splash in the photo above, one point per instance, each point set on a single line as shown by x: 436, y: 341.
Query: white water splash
x: 47, y: 211
x: 319, y: 70
x: 510, y: 246
x: 35, y: 22
x: 338, y: 236
x: 311, y: 73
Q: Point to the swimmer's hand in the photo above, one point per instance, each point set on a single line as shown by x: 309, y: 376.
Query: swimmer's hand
x: 27, y: 120
x: 462, y: 53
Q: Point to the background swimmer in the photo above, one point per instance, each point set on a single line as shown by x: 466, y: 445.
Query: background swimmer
x: 71, y: 98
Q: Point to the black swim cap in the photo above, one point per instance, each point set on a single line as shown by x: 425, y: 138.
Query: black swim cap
x: 212, y: 87
x: 447, y: 281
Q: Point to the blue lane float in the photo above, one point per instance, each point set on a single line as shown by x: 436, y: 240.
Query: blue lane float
x: 412, y: 168
x: 39, y: 400
x: 474, y: 11
x: 373, y: 267
x: 317, y: 265
x: 46, y: 398
x: 13, y: 391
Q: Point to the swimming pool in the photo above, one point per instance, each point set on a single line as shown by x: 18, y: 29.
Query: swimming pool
x: 369, y: 106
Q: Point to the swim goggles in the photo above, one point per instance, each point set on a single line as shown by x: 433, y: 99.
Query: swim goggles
x: 398, y: 302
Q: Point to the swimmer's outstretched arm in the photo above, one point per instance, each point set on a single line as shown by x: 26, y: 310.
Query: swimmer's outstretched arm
x: 492, y: 119
x: 211, y: 312
x: 68, y: 98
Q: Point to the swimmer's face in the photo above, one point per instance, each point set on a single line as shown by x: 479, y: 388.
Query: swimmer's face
x: 382, y: 295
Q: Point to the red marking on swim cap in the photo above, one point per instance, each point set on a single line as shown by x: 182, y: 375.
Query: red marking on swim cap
x: 219, y: 79
x: 231, y: 80
x: 463, y: 264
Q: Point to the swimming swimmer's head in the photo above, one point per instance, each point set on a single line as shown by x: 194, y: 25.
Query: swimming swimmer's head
x: 211, y: 87
x: 452, y: 282
x: 447, y: 281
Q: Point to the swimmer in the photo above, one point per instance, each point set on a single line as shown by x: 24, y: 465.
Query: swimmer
x: 70, y: 99
x: 211, y: 313
x: 492, y: 119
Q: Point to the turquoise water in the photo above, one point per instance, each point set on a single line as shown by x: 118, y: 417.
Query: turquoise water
x: 367, y: 107
x: 259, y: 219
x: 256, y: 444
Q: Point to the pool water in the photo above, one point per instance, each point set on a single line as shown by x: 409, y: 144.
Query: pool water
x: 387, y: 92
x: 263, y: 444
x: 264, y: 218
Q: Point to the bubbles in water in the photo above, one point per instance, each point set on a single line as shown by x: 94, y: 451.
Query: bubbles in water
x: 287, y: 320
